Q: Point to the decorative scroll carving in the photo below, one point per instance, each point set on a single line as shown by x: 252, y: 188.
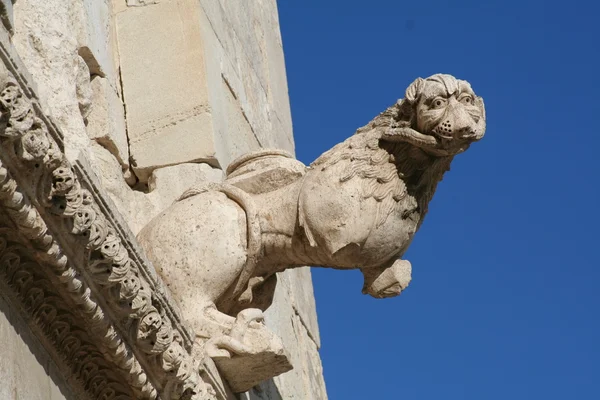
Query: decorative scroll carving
x: 30, y: 225
x: 357, y: 206
x: 128, y: 293
x: 61, y: 327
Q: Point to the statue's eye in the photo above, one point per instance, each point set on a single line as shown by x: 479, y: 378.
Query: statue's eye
x: 438, y: 102
x: 466, y: 99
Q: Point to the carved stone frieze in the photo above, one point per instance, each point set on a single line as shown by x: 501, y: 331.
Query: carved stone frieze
x: 71, y: 229
x: 53, y: 264
x: 24, y: 281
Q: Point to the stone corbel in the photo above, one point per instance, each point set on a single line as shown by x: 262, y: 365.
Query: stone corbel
x: 73, y: 268
x: 358, y: 206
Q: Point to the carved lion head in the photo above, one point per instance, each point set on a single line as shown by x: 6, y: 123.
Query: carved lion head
x: 443, y: 115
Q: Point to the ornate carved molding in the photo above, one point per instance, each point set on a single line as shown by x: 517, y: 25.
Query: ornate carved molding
x: 25, y: 282
x: 74, y: 238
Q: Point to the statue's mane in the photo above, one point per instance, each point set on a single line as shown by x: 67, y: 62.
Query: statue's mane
x: 388, y: 171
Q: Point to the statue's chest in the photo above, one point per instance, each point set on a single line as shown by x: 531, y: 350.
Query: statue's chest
x: 364, y: 220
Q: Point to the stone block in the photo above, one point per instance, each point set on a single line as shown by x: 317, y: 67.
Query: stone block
x: 244, y: 28
x: 118, y: 5
x: 189, y: 140
x: 242, y: 47
x: 164, y: 86
x: 106, y: 120
x: 93, y: 30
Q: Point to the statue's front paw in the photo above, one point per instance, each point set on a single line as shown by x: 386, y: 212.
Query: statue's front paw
x: 391, y: 282
x: 250, y: 353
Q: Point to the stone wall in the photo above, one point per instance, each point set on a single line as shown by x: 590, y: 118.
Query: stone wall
x: 162, y: 95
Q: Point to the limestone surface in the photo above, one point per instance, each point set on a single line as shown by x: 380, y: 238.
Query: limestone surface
x: 357, y: 206
x: 164, y: 86
x: 106, y: 120
x: 180, y: 88
x: 6, y: 14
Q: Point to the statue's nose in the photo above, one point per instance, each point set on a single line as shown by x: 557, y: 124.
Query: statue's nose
x: 463, y: 123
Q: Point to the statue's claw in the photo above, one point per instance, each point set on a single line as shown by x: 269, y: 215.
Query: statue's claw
x: 233, y: 343
x: 242, y: 355
x: 387, y: 282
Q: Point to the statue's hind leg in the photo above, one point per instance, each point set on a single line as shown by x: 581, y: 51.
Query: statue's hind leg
x: 203, y: 246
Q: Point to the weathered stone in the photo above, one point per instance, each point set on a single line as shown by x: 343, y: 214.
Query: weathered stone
x: 140, y: 3
x: 174, y: 143
x: 203, y: 81
x: 277, y: 83
x: 249, y: 354
x: 93, y: 30
x: 168, y: 183
x: 83, y: 87
x: 106, y: 120
x: 242, y: 59
x: 358, y: 206
x: 135, y: 206
x: 78, y: 330
x: 48, y: 46
x: 165, y: 185
x: 118, y: 6
x: 6, y: 14
x: 300, y: 287
x: 264, y: 171
x: 305, y: 381
x: 232, y: 119
x: 239, y: 39
x: 164, y: 86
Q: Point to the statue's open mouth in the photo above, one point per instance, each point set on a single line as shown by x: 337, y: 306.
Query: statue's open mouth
x: 442, y: 136
x: 435, y: 143
x: 470, y: 136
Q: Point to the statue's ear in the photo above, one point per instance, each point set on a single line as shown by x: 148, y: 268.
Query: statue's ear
x: 414, y: 90
x: 405, y: 111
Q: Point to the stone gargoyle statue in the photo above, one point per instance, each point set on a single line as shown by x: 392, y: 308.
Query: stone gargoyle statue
x: 219, y: 246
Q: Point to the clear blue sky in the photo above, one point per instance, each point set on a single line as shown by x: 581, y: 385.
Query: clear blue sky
x: 505, y: 298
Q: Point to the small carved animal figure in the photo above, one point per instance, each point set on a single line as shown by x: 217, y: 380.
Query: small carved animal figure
x: 357, y: 206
